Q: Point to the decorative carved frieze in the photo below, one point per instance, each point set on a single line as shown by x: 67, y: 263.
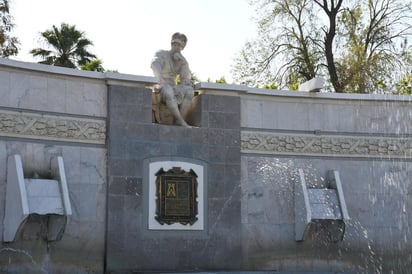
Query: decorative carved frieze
x: 326, y: 145
x: 52, y: 127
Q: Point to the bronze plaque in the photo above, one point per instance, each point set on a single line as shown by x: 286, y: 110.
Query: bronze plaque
x: 176, y: 193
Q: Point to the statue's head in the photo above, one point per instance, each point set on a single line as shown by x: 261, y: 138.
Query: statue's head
x: 180, y: 39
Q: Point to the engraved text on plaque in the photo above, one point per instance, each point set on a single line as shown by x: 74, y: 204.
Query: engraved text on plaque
x: 176, y: 193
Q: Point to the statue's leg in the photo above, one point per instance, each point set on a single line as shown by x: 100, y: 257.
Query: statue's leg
x: 186, y: 105
x: 168, y: 97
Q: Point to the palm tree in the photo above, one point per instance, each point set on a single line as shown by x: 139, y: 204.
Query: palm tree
x: 68, y: 47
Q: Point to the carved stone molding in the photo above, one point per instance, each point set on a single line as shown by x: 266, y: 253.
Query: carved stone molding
x: 326, y: 145
x: 52, y: 127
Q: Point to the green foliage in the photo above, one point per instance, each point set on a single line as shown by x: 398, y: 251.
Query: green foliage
x: 293, y: 81
x: 371, y: 57
x: 270, y: 86
x: 404, y: 86
x: 193, y: 79
x: 8, y: 44
x: 67, y: 47
x: 222, y: 80
x: 360, y: 47
x: 280, y: 49
x: 112, y: 70
x: 94, y: 65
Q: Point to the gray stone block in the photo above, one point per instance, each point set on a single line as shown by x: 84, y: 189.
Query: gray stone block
x: 19, y: 87
x: 232, y: 137
x: 123, y: 96
x: 195, y: 115
x: 255, y: 204
x: 139, y: 149
x: 117, y: 167
x: 74, y: 102
x: 279, y: 207
x: 217, y: 154
x: 95, y: 99
x: 216, y: 180
x: 123, y: 167
x: 174, y: 134
x: 361, y: 206
x: 5, y: 88
x: 184, y: 150
x: 142, y: 131
x: 125, y: 186
x: 217, y: 120
x: 216, y: 137
x: 200, y: 136
x: 232, y: 120
x: 200, y: 151
x: 118, y: 146
x: 232, y: 155
x: 204, y: 119
x: 84, y: 201
x: 228, y: 104
x: 232, y: 177
x: 332, y: 114
x: 383, y: 211
x: 166, y: 149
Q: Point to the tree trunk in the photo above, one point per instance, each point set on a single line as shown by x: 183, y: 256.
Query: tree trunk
x: 329, y: 36
x: 329, y: 55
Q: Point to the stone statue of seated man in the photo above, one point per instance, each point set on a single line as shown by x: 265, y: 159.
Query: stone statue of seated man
x: 167, y: 65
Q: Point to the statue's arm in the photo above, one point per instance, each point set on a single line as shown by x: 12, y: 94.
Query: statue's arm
x: 185, y: 75
x: 156, y: 65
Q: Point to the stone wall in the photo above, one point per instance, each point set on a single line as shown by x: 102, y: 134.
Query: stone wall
x: 248, y: 145
x: 46, y: 112
x: 367, y: 138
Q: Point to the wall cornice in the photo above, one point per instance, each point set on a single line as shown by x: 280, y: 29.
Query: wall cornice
x: 118, y: 78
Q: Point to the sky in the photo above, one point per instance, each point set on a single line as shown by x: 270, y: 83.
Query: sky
x: 127, y: 33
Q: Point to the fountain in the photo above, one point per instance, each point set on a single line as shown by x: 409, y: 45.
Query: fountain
x: 266, y: 199
x: 47, y: 198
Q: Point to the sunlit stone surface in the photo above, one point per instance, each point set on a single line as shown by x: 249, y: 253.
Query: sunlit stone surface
x: 251, y: 144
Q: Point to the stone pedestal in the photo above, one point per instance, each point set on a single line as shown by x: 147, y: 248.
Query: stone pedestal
x: 212, y: 148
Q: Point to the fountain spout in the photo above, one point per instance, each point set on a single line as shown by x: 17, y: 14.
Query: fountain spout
x: 44, y: 197
x: 320, y: 205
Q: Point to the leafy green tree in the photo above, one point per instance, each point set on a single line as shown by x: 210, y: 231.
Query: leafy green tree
x: 8, y: 44
x: 270, y: 86
x: 404, y: 86
x: 221, y: 80
x: 375, y: 35
x: 281, y: 52
x: 67, y: 47
x: 94, y: 65
x: 194, y: 79
x: 359, y: 46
